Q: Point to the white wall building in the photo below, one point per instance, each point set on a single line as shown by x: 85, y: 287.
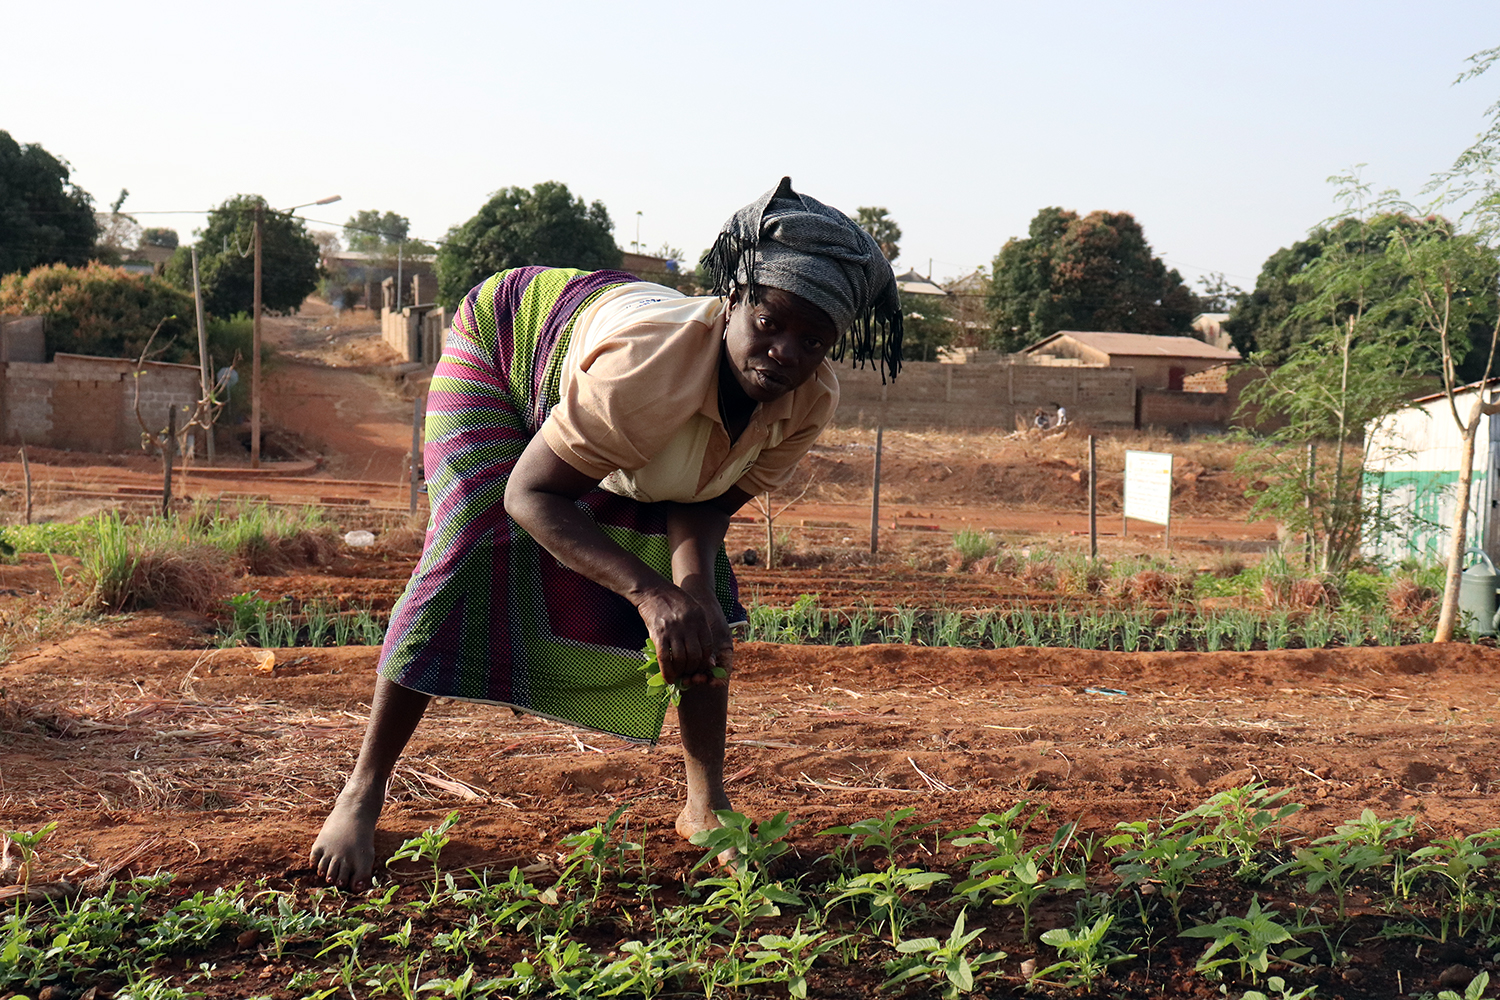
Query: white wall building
x: 1414, y: 457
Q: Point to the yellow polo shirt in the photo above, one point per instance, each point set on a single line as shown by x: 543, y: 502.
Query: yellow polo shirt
x: 638, y: 406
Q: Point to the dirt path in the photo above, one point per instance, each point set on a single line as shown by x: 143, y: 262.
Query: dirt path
x: 356, y: 420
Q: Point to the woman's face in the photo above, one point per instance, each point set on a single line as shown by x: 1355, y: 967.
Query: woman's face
x: 774, y: 345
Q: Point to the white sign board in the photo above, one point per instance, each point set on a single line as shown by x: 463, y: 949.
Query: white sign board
x: 1148, y: 486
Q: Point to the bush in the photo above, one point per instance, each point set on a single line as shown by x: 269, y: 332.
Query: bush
x: 972, y: 545
x: 104, y: 311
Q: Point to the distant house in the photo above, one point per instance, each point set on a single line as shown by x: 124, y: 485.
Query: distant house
x: 912, y: 283
x: 1209, y: 328
x: 355, y: 276
x: 1158, y: 362
x: 1414, y: 460
x: 661, y: 270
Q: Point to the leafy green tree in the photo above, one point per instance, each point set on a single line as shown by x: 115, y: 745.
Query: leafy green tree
x: 372, y: 231
x: 1217, y: 293
x: 1268, y: 321
x: 226, y: 264
x: 878, y: 223
x: 44, y: 217
x: 928, y: 322
x: 1453, y: 288
x: 1309, y: 473
x: 104, y: 311
x: 546, y: 225
x: 1092, y: 272
x: 159, y: 236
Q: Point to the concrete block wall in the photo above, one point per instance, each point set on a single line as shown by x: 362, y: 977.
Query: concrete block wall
x: 31, y: 395
x: 930, y: 394
x: 1177, y: 411
x: 27, y: 404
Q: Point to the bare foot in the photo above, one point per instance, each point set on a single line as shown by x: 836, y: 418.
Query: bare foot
x: 691, y: 821
x: 344, y: 852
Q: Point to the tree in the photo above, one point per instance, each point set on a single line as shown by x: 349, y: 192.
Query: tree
x: 1267, y: 321
x: 371, y: 231
x: 159, y: 236
x: 1094, y: 272
x: 226, y: 265
x: 44, y: 217
x: 927, y: 323
x: 1453, y: 285
x: 104, y: 311
x: 1352, y: 368
x: 879, y: 224
x: 546, y: 225
x: 1218, y: 294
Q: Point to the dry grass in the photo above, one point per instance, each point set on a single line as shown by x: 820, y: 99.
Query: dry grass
x: 190, y: 579
x: 267, y: 556
x: 1409, y: 598
x: 1039, y: 576
x: 1310, y: 593
x: 1150, y: 585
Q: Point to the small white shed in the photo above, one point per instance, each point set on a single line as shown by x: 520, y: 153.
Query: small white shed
x: 1414, y: 457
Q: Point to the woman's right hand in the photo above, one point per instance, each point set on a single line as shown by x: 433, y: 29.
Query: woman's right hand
x: 687, y: 644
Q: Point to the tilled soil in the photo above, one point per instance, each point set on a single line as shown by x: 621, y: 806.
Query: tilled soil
x: 116, y: 734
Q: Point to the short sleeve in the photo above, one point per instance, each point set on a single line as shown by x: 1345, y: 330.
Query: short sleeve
x: 632, y: 379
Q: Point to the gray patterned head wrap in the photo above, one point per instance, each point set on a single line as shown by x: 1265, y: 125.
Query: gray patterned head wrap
x: 798, y: 244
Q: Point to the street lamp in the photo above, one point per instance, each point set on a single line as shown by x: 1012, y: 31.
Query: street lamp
x: 260, y: 212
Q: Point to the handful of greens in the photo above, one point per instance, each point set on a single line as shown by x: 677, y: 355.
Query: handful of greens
x: 672, y: 693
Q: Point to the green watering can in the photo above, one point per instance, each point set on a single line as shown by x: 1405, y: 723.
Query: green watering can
x: 1476, y: 593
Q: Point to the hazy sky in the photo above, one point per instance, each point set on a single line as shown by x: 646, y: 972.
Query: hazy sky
x: 1215, y: 123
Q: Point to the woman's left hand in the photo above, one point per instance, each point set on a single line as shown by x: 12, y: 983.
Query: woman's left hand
x: 683, y: 629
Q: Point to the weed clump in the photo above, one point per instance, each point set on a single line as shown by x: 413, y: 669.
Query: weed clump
x: 970, y: 545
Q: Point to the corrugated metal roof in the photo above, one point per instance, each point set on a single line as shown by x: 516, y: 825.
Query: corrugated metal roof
x: 1137, y: 345
x: 912, y: 283
x: 1458, y: 390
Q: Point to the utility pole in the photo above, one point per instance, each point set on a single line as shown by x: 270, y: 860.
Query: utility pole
x: 205, y: 375
x: 255, y: 347
x: 400, y: 246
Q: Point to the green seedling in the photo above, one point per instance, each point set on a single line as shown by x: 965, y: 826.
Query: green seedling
x: 1243, y: 816
x: 753, y: 845
x: 427, y: 846
x: 744, y: 898
x: 888, y: 833
x: 466, y: 984
x: 886, y: 893
x: 25, y: 842
x: 657, y: 682
x: 1474, y: 991
x: 1016, y: 881
x: 1280, y: 991
x: 999, y: 832
x: 1333, y: 866
x: 1081, y: 952
x: 945, y: 962
x: 1250, y: 937
x: 1170, y: 858
x: 796, y: 953
x: 1455, y: 860
x: 596, y: 854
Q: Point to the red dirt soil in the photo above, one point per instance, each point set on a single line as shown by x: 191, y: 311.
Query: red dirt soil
x: 121, y: 733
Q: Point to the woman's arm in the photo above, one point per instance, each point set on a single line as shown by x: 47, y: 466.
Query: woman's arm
x: 541, y: 495
x: 695, y: 532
